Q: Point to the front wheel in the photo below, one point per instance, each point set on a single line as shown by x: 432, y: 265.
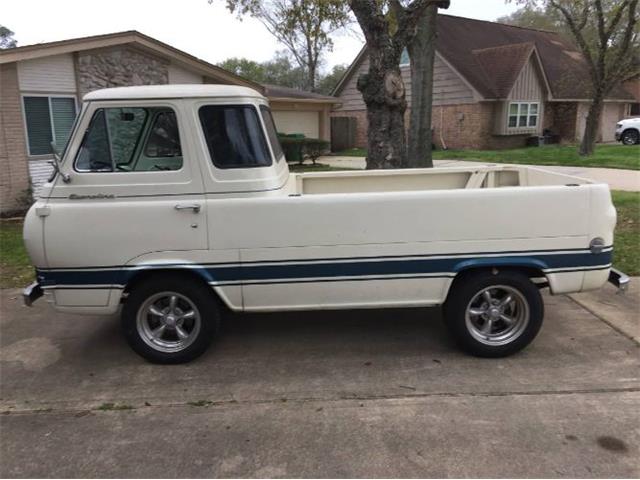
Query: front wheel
x: 170, y: 319
x: 630, y: 137
x: 494, y: 314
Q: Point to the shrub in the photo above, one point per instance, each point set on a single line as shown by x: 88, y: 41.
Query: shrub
x: 297, y: 149
x: 315, y: 148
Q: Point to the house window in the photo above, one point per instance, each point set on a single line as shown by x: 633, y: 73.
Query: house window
x: 404, y: 58
x: 523, y: 115
x: 48, y: 119
x: 634, y: 109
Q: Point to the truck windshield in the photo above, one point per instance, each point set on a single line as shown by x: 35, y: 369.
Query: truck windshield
x: 272, y: 133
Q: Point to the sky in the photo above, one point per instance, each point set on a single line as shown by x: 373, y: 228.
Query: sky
x: 205, y: 30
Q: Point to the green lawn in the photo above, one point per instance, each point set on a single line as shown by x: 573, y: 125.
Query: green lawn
x: 626, y: 255
x: 318, y: 167
x: 606, y: 156
x: 352, y: 152
x: 16, y: 271
x: 15, y: 268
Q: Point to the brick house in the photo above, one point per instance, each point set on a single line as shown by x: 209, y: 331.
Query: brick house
x: 496, y: 85
x: 633, y: 87
x: 41, y: 87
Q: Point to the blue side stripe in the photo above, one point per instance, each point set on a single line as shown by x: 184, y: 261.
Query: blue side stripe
x: 331, y: 270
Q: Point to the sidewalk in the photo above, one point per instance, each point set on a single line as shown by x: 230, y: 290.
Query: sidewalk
x: 618, y: 179
x: 618, y: 310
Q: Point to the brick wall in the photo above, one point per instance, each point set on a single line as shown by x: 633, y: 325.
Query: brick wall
x: 14, y: 175
x: 462, y: 126
x: 563, y: 120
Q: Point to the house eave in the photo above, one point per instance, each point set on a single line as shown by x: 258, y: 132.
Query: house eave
x: 304, y: 100
x: 132, y: 37
x: 608, y: 100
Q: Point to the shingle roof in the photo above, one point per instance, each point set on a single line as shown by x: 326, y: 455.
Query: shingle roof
x: 276, y: 91
x: 564, y: 66
x: 489, y: 56
x: 502, y: 65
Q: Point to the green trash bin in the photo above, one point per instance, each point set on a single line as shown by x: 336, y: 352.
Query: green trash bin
x: 293, y: 144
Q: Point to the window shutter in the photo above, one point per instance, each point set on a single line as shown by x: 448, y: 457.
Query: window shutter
x: 36, y: 112
x: 63, y: 112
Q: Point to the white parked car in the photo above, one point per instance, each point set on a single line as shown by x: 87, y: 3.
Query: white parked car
x: 173, y: 202
x: 628, y: 131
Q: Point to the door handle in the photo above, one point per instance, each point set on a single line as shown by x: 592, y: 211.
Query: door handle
x: 192, y: 206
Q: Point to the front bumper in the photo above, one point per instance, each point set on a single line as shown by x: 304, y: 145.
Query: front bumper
x: 32, y: 293
x: 619, y: 280
x: 618, y: 136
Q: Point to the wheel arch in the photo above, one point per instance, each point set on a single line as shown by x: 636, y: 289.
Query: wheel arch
x: 190, y: 274
x: 533, y: 269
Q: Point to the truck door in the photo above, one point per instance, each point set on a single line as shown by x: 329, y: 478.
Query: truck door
x: 134, y: 188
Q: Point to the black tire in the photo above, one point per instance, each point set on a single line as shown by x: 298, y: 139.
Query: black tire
x: 469, y: 288
x: 199, y: 298
x: 630, y: 137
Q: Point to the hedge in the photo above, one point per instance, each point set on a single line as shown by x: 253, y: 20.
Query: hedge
x: 297, y: 149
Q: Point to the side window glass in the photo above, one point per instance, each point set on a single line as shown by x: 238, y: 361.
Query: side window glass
x: 94, y: 154
x: 162, y: 150
x: 115, y: 137
x: 234, y: 136
x: 272, y: 132
x: 125, y: 128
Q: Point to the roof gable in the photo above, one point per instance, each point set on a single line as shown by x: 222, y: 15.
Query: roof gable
x: 490, y: 56
x: 502, y: 65
x: 131, y: 37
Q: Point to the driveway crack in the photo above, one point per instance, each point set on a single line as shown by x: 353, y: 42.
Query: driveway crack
x: 50, y: 408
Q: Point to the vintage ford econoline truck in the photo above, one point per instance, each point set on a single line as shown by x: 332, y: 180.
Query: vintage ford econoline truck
x: 171, y: 202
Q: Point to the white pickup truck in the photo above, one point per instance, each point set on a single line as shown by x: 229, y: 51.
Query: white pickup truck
x: 173, y: 202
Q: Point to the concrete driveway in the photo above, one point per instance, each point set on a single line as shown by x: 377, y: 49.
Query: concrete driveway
x: 331, y: 394
x: 618, y: 179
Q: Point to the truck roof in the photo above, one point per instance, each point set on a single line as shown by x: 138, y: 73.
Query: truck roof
x: 171, y: 91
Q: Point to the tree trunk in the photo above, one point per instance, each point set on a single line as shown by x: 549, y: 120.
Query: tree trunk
x: 311, y: 75
x: 422, y: 53
x: 588, y: 144
x: 383, y: 92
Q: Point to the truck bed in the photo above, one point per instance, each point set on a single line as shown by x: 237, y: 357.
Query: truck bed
x: 429, y: 179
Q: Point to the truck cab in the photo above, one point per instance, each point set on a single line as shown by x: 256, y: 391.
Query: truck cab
x: 172, y: 202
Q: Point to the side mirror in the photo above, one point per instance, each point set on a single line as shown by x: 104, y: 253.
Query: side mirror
x: 56, y: 162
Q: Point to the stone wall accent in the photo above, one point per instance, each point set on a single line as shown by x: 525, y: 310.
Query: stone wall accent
x: 14, y: 175
x: 119, y: 67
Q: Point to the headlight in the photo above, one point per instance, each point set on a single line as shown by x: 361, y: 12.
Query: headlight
x: 618, y: 125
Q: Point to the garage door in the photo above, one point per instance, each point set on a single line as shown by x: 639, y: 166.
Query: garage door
x: 610, y: 116
x: 298, y: 122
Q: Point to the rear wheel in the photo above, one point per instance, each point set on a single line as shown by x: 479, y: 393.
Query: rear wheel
x: 630, y: 137
x: 170, y: 319
x: 494, y: 314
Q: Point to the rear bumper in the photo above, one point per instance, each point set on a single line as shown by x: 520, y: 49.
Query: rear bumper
x: 32, y: 293
x: 619, y: 279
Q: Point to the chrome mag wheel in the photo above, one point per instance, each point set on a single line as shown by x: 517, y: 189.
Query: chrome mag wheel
x: 497, y: 315
x: 168, y: 322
